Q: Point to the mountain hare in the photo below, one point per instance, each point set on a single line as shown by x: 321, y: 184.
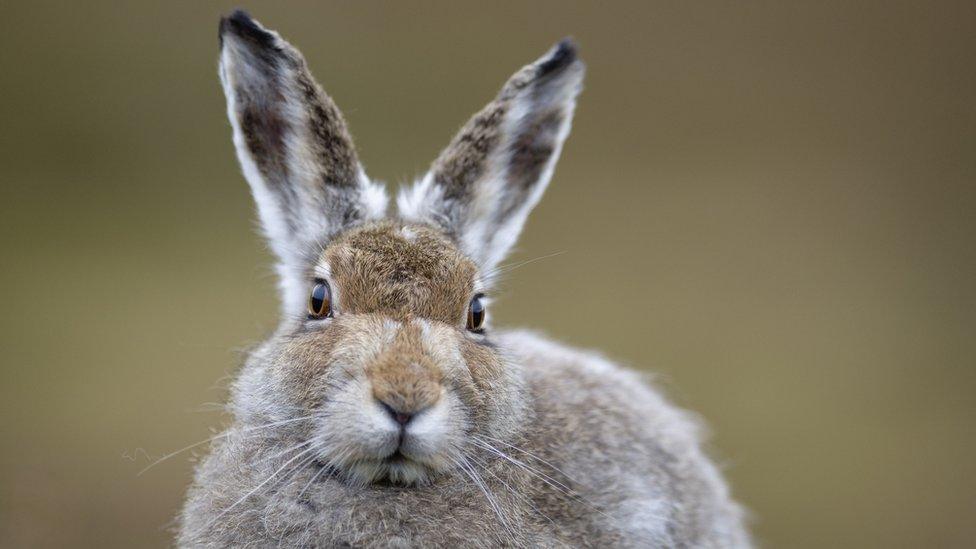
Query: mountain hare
x: 384, y: 411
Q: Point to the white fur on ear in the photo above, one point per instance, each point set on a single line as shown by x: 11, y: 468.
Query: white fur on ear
x: 420, y: 201
x: 294, y: 150
x: 374, y: 198
x: 484, y: 184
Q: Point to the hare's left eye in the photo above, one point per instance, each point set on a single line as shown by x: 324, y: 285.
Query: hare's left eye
x: 476, y: 313
x: 320, y: 301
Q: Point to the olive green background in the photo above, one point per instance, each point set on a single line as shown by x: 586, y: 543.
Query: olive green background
x: 772, y: 205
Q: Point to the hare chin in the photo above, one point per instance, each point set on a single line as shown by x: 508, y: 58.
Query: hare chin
x: 399, y: 471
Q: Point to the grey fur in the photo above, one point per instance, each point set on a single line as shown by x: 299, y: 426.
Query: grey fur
x: 515, y: 441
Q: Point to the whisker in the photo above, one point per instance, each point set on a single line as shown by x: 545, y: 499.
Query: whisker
x: 558, y: 486
x: 299, y: 467
x: 210, y: 407
x: 280, y: 453
x: 259, y: 486
x: 486, y: 438
x: 311, y: 481
x: 504, y: 269
x: 520, y: 463
x: 466, y: 467
x: 211, y: 439
x: 514, y: 492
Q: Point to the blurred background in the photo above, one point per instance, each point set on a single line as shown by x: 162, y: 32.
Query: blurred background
x: 770, y: 205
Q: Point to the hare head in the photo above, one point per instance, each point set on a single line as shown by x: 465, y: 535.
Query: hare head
x: 384, y: 362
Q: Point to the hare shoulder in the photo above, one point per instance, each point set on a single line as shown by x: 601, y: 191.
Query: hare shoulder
x: 629, y: 452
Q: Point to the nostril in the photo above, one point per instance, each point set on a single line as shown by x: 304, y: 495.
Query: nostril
x: 398, y: 416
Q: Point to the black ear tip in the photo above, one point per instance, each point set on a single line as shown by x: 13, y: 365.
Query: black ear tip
x: 563, y: 54
x: 235, y: 22
x: 239, y: 23
x: 568, y: 45
x: 241, y: 16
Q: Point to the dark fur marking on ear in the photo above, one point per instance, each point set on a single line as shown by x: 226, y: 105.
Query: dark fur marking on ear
x: 469, y: 151
x: 533, y: 148
x: 278, y: 102
x: 466, y: 156
x: 529, y: 153
x: 336, y: 152
x: 264, y: 132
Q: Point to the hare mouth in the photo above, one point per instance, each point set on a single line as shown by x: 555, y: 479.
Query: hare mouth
x: 394, y: 470
x: 396, y: 457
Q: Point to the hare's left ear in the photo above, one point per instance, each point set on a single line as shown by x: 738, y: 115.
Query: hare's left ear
x: 294, y: 149
x: 482, y: 187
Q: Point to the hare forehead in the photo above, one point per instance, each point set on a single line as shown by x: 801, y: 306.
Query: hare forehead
x: 400, y: 270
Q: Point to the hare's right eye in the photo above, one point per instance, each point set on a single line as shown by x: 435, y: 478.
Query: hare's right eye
x: 320, y: 301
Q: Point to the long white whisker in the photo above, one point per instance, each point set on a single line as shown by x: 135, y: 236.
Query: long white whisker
x: 466, y: 466
x: 486, y: 438
x: 299, y: 467
x: 520, y: 463
x: 514, y: 492
x: 285, y: 451
x: 259, y: 486
x: 558, y: 486
x: 311, y: 481
x: 504, y: 269
x: 221, y: 435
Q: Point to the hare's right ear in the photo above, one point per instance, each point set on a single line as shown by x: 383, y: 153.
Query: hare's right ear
x: 294, y: 149
x: 482, y: 187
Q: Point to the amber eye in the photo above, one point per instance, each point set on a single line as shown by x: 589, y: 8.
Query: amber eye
x: 320, y: 301
x: 476, y: 313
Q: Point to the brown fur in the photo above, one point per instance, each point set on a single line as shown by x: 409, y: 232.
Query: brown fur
x: 379, y: 270
x: 403, y: 377
x: 335, y: 149
x: 463, y: 162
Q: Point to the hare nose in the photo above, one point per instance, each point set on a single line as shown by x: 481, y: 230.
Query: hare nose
x: 400, y: 417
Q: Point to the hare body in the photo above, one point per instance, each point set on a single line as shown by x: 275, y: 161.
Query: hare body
x: 385, y: 411
x: 602, y: 460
